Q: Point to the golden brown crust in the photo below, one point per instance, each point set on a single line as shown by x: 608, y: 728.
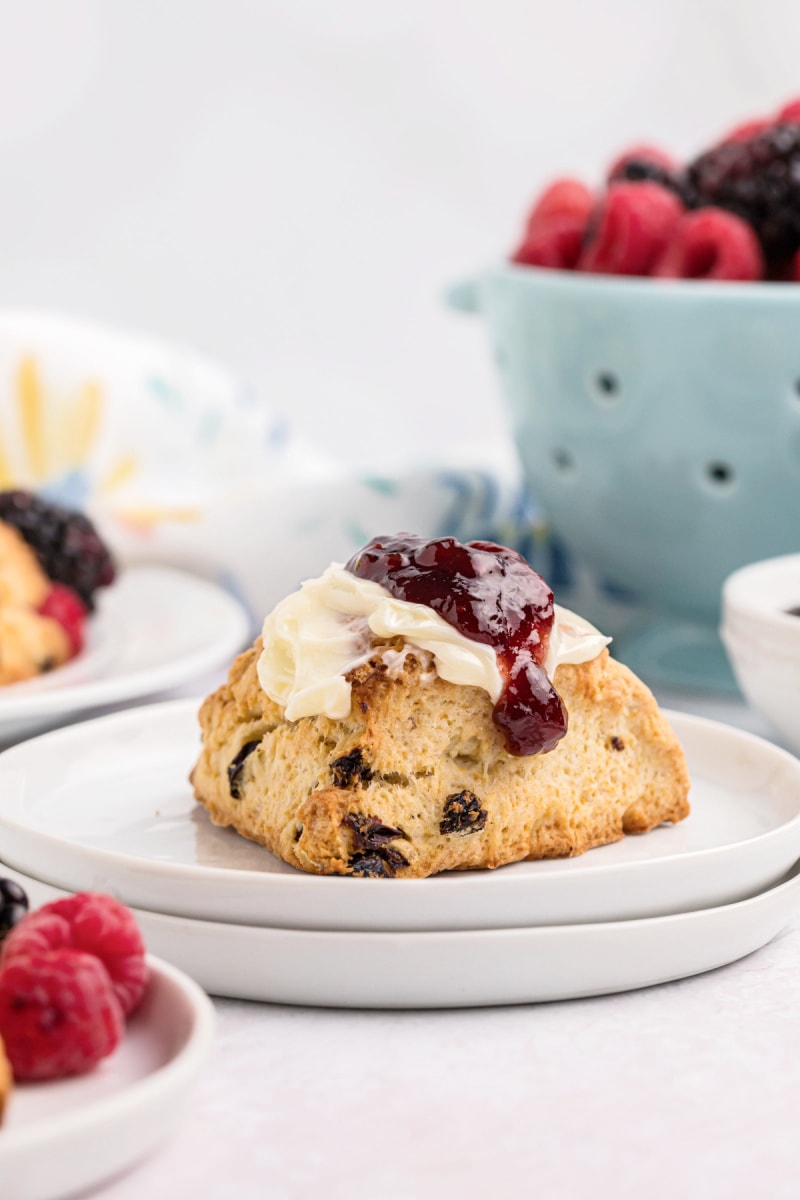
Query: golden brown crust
x: 23, y: 583
x: 422, y: 757
x: 29, y: 643
x: 6, y: 1080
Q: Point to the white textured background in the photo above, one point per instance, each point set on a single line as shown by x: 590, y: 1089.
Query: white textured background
x: 290, y: 184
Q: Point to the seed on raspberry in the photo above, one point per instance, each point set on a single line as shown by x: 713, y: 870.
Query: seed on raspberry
x: 711, y: 244
x: 13, y: 905
x: 66, y: 543
x: 95, y: 924
x: 58, y: 1014
x: 66, y: 607
x: 555, y: 243
x: 632, y: 229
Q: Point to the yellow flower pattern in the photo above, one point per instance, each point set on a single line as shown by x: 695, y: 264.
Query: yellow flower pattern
x: 47, y: 443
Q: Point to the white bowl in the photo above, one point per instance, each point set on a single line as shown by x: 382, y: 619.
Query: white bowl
x: 762, y: 639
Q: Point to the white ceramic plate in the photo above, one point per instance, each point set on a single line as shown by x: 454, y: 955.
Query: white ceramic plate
x: 460, y: 969
x: 154, y: 628
x: 60, y: 1138
x: 106, y: 805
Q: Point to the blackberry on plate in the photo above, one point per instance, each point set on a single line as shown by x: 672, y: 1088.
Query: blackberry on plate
x: 68, y: 546
x: 758, y: 179
x: 13, y: 905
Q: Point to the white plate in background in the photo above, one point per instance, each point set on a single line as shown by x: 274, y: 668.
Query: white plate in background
x: 459, y: 969
x: 106, y: 805
x: 154, y: 628
x: 61, y: 1137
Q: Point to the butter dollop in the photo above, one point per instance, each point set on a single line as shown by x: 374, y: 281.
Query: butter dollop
x: 316, y: 636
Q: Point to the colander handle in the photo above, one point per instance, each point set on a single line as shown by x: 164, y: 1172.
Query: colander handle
x: 464, y: 297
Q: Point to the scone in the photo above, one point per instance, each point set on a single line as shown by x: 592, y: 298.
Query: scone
x: 6, y: 1080
x: 51, y: 562
x: 405, y: 763
x: 30, y: 641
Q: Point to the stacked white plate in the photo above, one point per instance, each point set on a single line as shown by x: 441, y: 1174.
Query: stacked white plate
x: 106, y: 805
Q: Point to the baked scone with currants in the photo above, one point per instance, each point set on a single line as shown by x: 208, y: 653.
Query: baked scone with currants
x: 427, y: 707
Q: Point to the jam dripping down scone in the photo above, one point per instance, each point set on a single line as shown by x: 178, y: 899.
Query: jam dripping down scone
x: 51, y: 562
x: 398, y: 767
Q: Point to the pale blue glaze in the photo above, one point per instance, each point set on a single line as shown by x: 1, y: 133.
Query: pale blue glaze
x: 658, y: 422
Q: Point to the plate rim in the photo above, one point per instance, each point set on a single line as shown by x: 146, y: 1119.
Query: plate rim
x: 456, y: 881
x: 713, y: 937
x: 788, y: 882
x: 77, y: 697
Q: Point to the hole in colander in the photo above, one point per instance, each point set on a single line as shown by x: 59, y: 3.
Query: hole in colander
x: 607, y: 384
x: 500, y: 357
x: 562, y: 459
x: 797, y: 388
x: 720, y: 474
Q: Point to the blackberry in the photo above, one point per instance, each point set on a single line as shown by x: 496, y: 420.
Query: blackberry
x: 66, y: 543
x: 13, y: 905
x: 757, y: 179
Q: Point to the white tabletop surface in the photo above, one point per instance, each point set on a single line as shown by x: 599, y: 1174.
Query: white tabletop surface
x: 686, y: 1090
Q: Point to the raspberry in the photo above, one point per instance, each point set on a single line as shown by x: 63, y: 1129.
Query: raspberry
x: 562, y: 198
x: 633, y: 227
x: 66, y: 607
x: 95, y: 924
x: 555, y: 243
x: 58, y: 1014
x: 743, y: 132
x: 789, y: 113
x: 711, y: 244
x: 66, y: 543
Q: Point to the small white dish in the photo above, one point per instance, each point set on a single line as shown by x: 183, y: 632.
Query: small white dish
x: 462, y: 969
x: 106, y: 805
x: 62, y: 1137
x: 154, y: 628
x: 762, y: 639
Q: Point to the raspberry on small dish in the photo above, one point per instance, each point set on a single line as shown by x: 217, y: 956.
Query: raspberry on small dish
x: 70, y: 974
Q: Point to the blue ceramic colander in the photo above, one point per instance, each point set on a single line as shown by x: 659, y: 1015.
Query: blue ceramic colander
x: 659, y: 427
